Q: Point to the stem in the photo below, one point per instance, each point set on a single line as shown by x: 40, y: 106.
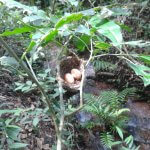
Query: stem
x: 62, y: 110
x: 31, y: 68
x: 134, y: 55
x: 91, y: 53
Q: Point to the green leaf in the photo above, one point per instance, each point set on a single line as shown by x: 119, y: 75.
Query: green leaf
x: 8, y: 61
x: 88, y: 12
x: 129, y: 139
x: 112, y: 31
x: 18, y: 31
x: 34, y: 19
x: 26, y: 88
x: 82, y: 42
x: 107, y: 28
x: 83, y: 29
x: 145, y: 58
x: 124, y: 27
x: 13, y: 132
x: 17, y: 145
x: 121, y: 11
x: 96, y: 21
x: 120, y: 132
x: 9, y: 111
x: 142, y: 71
x: 29, y: 83
x: 73, y: 2
x: 102, y: 45
x: 30, y: 47
x: 68, y: 19
x: 49, y: 37
x: 35, y: 121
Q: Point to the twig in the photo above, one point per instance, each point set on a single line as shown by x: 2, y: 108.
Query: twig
x: 134, y: 55
x: 91, y: 53
x: 81, y: 87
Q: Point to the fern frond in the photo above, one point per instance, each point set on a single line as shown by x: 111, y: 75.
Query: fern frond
x: 103, y: 65
x: 126, y: 92
x: 107, y: 139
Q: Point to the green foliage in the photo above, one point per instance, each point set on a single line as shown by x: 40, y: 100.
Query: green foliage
x: 91, y: 29
x: 107, y: 28
x: 68, y: 19
x: 108, y: 113
x: 9, y: 131
x: 145, y: 59
x: 18, y: 31
x: 107, y: 139
x: 25, y: 87
x: 44, y: 79
x: 82, y: 42
x: 103, y: 65
x: 142, y: 71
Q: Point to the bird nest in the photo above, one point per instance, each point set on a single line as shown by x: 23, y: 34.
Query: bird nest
x: 66, y: 65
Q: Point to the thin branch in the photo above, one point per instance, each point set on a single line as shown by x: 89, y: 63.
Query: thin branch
x: 134, y: 55
x: 91, y: 53
x: 81, y: 88
x: 62, y: 109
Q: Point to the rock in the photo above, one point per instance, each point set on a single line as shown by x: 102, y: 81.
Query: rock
x: 139, y: 123
x: 89, y: 71
x: 90, y: 87
x: 83, y: 117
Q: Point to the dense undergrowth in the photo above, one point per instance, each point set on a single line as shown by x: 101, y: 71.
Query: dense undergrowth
x: 49, y: 32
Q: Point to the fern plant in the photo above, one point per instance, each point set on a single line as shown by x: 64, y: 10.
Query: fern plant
x: 107, y: 111
x: 103, y: 65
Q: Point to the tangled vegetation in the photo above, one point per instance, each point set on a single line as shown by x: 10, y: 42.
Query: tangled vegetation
x: 61, y: 29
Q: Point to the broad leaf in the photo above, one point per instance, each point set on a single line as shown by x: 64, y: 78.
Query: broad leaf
x: 83, y: 29
x: 18, y: 31
x: 35, y: 121
x: 12, y: 132
x: 82, y: 42
x: 49, y: 36
x: 107, y: 28
x: 8, y: 61
x: 35, y: 18
x: 73, y: 2
x: 142, y: 71
x: 17, y: 145
x: 112, y: 31
x: 145, y: 58
x: 102, y: 45
x: 121, y: 11
x: 88, y: 12
x: 96, y: 21
x: 68, y: 19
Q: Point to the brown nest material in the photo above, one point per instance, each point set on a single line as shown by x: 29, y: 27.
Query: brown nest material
x: 66, y: 65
